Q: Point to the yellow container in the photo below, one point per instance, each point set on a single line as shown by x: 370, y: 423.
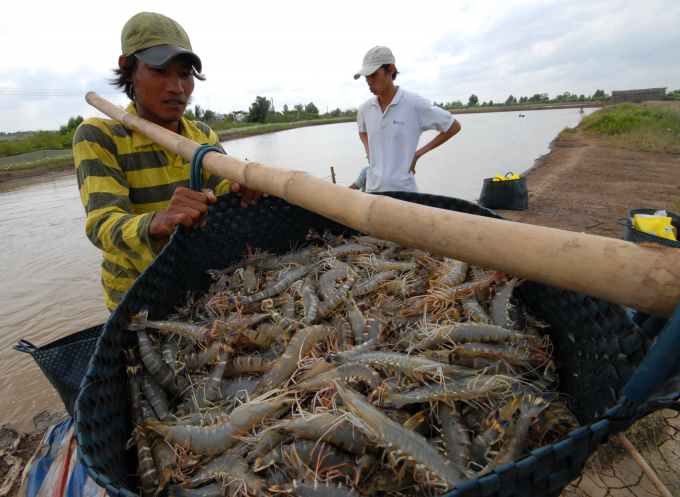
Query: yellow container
x: 660, y: 226
x: 498, y: 177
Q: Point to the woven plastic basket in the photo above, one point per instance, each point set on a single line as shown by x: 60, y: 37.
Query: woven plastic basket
x: 631, y: 234
x: 597, y: 347
x: 65, y: 361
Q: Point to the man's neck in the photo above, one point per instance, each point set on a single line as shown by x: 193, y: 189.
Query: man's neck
x: 386, y: 97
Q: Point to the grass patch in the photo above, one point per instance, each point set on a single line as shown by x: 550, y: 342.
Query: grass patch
x: 650, y: 126
x: 48, y: 162
x: 647, y: 434
x: 566, y: 134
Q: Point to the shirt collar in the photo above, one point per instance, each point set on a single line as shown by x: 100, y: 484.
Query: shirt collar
x: 397, y: 98
x: 187, y: 129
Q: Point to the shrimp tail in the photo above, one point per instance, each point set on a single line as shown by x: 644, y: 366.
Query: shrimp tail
x: 533, y: 405
x: 138, y: 322
x: 159, y: 427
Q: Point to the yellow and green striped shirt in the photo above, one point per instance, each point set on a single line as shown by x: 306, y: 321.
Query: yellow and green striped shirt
x: 124, y: 178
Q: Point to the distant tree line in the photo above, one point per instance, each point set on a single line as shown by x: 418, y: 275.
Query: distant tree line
x: 262, y: 111
x: 473, y: 101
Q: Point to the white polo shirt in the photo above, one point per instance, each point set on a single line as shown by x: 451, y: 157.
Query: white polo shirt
x: 393, y: 138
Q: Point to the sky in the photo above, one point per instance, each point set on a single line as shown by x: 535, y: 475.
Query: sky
x: 308, y: 51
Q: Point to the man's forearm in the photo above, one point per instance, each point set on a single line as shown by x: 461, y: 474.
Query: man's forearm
x: 364, y: 139
x: 440, y: 139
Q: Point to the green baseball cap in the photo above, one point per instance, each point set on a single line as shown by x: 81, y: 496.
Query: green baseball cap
x: 156, y: 40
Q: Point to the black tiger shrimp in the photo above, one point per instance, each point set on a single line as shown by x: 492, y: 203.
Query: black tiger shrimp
x: 338, y: 365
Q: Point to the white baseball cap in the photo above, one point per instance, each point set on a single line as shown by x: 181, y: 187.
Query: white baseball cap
x: 374, y: 58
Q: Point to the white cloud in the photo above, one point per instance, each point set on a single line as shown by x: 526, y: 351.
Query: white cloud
x: 303, y: 51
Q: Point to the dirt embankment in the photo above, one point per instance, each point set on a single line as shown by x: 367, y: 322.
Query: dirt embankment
x: 16, y: 449
x: 583, y: 186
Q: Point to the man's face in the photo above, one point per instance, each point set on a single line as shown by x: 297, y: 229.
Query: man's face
x: 379, y: 80
x: 162, y: 93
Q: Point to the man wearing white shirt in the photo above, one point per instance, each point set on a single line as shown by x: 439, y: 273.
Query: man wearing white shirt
x: 390, y: 125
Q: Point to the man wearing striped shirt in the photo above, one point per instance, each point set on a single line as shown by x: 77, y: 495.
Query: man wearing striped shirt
x: 134, y: 191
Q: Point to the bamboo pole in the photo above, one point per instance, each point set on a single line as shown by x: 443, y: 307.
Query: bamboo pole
x: 646, y: 469
x: 646, y: 278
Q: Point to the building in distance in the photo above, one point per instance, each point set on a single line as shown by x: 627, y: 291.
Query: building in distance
x: 637, y: 96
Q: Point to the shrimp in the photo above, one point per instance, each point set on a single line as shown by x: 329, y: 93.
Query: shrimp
x: 464, y: 333
x: 412, y: 366
x: 402, y: 444
x: 326, y: 428
x: 302, y: 257
x: 284, y: 323
x: 286, y: 365
x: 455, y: 275
x: 231, y: 469
x: 305, y: 488
x: 374, y: 324
x: 189, y: 330
x: 344, y: 333
x: 147, y: 468
x: 169, y: 350
x: 500, y: 305
x: 310, y: 303
x: 196, y: 360
x: 317, y: 456
x: 232, y: 387
x: 474, y: 312
x: 157, y: 367
x: 328, y: 306
x: 351, y: 371
x: 350, y: 248
x: 532, y: 406
x: 212, y: 384
x: 514, y: 355
x: 250, y: 282
x: 376, y: 241
x: 356, y: 318
x: 246, y: 365
x: 278, y: 286
x: 382, y: 264
x: 262, y: 340
x: 219, y: 437
x: 466, y: 389
x: 455, y: 435
x: 153, y: 392
x: 327, y: 279
x: 372, y: 284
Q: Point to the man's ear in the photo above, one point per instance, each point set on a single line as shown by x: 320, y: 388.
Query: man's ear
x: 123, y: 63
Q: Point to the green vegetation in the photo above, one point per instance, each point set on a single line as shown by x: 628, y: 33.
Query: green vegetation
x: 673, y: 95
x: 651, y: 126
x: 48, y: 140
x: 50, y: 162
x: 537, y: 98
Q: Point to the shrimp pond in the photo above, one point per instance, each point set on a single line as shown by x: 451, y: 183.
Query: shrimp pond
x: 50, y: 284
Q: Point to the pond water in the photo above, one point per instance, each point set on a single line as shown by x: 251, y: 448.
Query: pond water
x: 488, y: 144
x: 50, y: 285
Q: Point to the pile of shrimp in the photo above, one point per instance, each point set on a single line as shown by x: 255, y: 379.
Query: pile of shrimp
x: 351, y: 367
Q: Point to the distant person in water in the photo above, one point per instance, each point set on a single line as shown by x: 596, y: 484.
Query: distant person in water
x: 390, y: 125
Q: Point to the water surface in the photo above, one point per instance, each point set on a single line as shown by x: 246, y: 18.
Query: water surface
x: 488, y: 144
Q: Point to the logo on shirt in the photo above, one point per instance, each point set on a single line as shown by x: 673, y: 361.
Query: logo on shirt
x: 398, y: 122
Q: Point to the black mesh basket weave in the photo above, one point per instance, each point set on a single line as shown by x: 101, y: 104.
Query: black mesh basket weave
x: 597, y: 348
x: 631, y: 234
x: 65, y: 361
